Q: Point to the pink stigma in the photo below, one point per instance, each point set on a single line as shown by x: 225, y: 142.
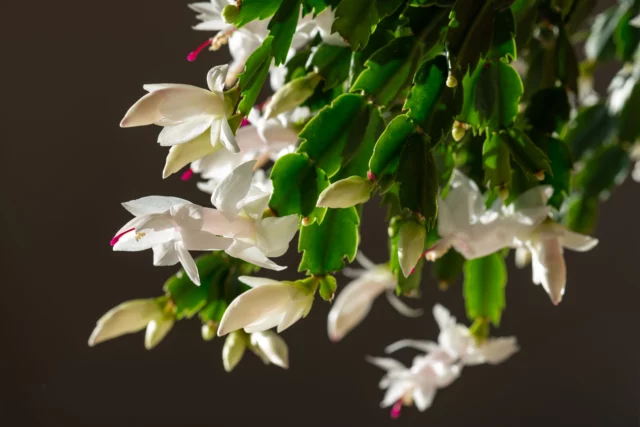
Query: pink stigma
x: 194, y: 55
x: 115, y: 239
x: 245, y: 122
x: 371, y: 176
x: 395, y: 410
x: 186, y: 175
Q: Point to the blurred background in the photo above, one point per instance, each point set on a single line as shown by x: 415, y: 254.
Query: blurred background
x: 70, y: 70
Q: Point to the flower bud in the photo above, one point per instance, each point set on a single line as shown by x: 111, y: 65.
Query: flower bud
x: 272, y: 348
x: 126, y: 318
x: 345, y: 193
x: 459, y: 130
x: 410, y: 245
x: 523, y: 257
x: 233, y: 350
x: 209, y: 331
x: 157, y: 329
x: 451, y: 81
x: 292, y: 95
x: 230, y: 13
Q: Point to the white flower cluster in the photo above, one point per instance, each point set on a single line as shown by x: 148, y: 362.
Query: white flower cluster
x: 195, y: 125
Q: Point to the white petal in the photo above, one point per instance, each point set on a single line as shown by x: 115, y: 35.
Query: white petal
x: 364, y: 261
x: 443, y: 317
x: 386, y: 363
x: 273, y: 347
x: 275, y: 233
x: 165, y: 254
x: 216, y: 78
x: 294, y: 312
x: 254, y: 282
x: 254, y: 305
x: 401, y: 307
x: 553, y: 269
x: 126, y: 318
x: 181, y: 155
x: 188, y: 264
x: 152, y: 205
x: 264, y: 324
x: 144, y: 111
x: 577, y: 242
x: 497, y: 350
x: 425, y: 346
x: 145, y: 238
x: 226, y: 136
x: 274, y: 133
x: 232, y: 189
x: 252, y: 255
x: 187, y: 217
x: 199, y: 240
x: 157, y: 329
x: 211, y: 25
x: 216, y: 223
x: 396, y: 391
x: 185, y: 131
x: 423, y: 396
x: 249, y: 139
x: 184, y: 102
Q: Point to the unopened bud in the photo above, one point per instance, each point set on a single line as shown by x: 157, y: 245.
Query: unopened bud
x: 523, y: 257
x: 452, y: 81
x: 306, y: 221
x: 503, y: 192
x: 539, y: 175
x: 345, y: 193
x: 459, y: 130
x: 233, y: 350
x: 126, y: 318
x: 410, y: 245
x: 292, y: 94
x: 157, y: 329
x: 230, y: 13
x: 271, y: 348
x: 209, y: 331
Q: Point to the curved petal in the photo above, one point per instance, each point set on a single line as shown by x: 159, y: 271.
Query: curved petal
x: 497, y: 350
x: 199, y: 240
x: 254, y: 305
x: 211, y: 24
x: 232, y: 189
x: 249, y: 139
x: 181, y: 155
x: 275, y: 233
x: 142, y: 239
x: 144, y: 111
x: 443, y: 317
x: 577, y: 242
x: 386, y: 363
x: 252, y: 255
x: 254, y: 282
x: 226, y: 136
x: 165, y: 254
x: 152, y: 205
x: 273, y: 347
x: 420, y: 345
x: 216, y: 77
x: 188, y: 263
x: 185, y: 131
x: 401, y: 307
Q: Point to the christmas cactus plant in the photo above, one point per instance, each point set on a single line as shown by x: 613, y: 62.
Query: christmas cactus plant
x: 475, y: 121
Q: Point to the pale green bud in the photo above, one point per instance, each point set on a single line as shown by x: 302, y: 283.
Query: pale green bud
x: 271, y: 348
x: 410, y: 245
x: 157, y: 329
x: 346, y: 193
x: 230, y: 13
x: 126, y: 318
x: 292, y: 95
x: 233, y: 350
x: 209, y: 331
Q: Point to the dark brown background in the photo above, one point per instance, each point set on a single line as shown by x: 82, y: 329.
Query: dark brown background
x: 70, y: 69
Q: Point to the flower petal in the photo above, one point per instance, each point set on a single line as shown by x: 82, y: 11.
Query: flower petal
x: 386, y: 363
x: 152, y: 205
x: 275, y: 233
x: 252, y: 255
x: 577, y: 242
x: 254, y: 305
x: 497, y: 350
x: 188, y: 263
x: 232, y: 189
x: 157, y: 329
x: 185, y: 131
x: 226, y: 136
x: 199, y: 240
x: 421, y: 345
x: 181, y: 155
x: 254, y: 282
x: 126, y: 318
x: 273, y: 347
x: 165, y: 254
x: 216, y: 77
x: 401, y: 307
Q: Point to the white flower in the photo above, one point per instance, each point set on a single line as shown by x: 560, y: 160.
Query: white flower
x: 346, y: 193
x: 245, y: 40
x: 354, y: 302
x: 241, y: 206
x: 130, y: 317
x: 261, y: 140
x: 546, y: 245
x: 269, y: 303
x: 271, y: 348
x: 194, y: 119
x: 456, y: 345
x: 410, y: 245
x: 417, y: 384
x: 210, y: 13
x: 170, y: 227
x: 473, y: 230
x: 324, y: 21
